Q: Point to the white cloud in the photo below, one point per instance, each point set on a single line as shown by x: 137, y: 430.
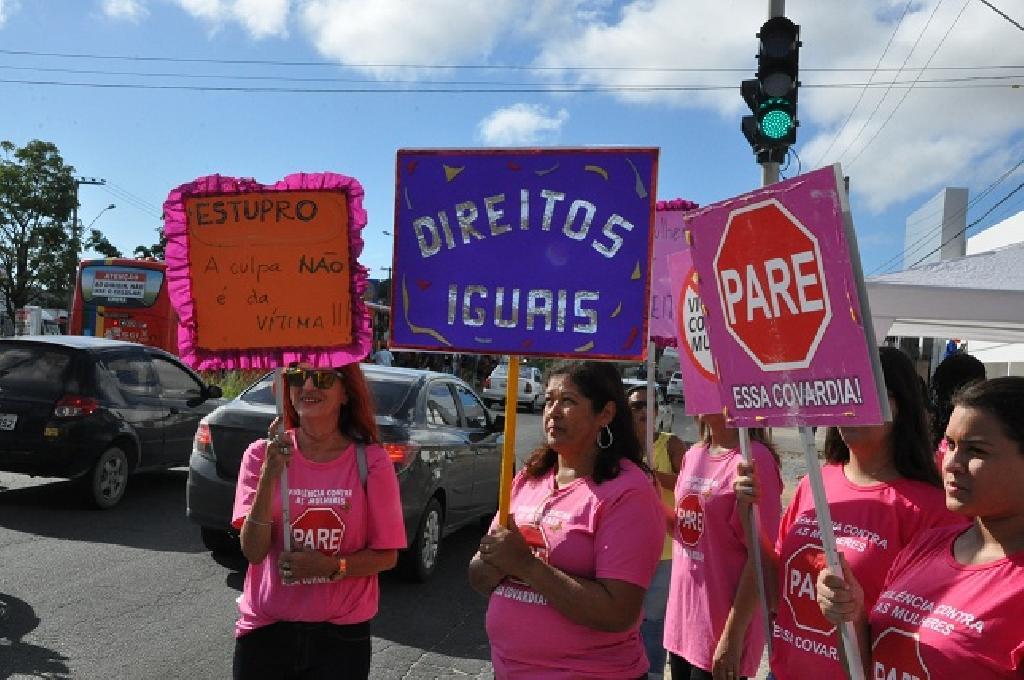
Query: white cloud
x: 521, y: 125
x: 131, y: 10
x: 936, y: 137
x: 7, y: 8
x: 433, y: 32
x: 260, y: 18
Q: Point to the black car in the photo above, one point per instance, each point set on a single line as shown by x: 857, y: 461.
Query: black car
x: 445, y: 446
x: 96, y: 410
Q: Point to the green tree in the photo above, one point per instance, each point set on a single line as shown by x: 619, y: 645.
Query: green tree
x: 38, y: 248
x: 155, y: 251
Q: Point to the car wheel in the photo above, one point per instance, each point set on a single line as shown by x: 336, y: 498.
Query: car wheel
x: 106, y: 482
x: 420, y: 560
x: 220, y: 542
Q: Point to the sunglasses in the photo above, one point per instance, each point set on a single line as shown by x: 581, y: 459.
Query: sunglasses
x: 323, y: 378
x: 638, y: 406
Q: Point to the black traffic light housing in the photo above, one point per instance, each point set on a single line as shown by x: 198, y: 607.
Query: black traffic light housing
x: 772, y: 96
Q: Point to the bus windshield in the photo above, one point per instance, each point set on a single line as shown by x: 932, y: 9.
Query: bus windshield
x: 120, y: 286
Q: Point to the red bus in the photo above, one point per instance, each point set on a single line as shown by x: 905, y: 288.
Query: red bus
x: 124, y: 299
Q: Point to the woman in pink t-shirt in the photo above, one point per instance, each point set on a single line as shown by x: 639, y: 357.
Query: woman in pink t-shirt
x: 883, y: 489
x: 566, y: 579
x: 306, y: 612
x: 951, y: 603
x: 713, y: 624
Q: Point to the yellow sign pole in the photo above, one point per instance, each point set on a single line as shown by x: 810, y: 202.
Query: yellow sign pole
x: 508, y: 454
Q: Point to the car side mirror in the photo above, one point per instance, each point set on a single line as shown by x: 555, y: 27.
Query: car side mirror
x: 214, y: 392
x: 498, y: 423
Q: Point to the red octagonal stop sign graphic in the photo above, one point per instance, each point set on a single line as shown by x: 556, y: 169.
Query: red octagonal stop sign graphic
x: 318, y: 529
x: 799, y: 589
x: 897, y: 654
x: 771, y: 281
x: 690, y: 519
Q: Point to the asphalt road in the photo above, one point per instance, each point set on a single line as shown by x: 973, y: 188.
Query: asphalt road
x: 132, y: 593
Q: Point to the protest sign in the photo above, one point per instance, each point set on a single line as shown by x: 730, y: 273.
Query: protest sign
x: 524, y: 251
x: 780, y: 277
x: 266, y: 275
x: 669, y: 238
x: 700, y: 384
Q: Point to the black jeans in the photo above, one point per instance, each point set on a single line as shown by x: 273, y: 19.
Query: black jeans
x: 290, y: 650
x: 684, y: 670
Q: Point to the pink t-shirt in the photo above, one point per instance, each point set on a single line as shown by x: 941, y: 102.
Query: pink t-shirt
x: 710, y: 552
x: 611, y: 530
x: 871, y: 524
x: 938, y: 618
x: 327, y: 510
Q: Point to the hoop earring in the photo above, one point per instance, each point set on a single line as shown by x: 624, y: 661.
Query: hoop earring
x: 600, y: 438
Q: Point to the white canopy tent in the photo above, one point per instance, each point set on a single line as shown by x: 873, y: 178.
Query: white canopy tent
x: 978, y: 297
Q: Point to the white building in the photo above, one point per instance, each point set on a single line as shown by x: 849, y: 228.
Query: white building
x: 999, y: 358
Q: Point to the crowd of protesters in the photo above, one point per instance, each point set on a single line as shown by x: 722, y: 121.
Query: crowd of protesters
x: 605, y: 563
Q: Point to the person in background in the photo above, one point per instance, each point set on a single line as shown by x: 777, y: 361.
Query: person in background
x: 306, y: 613
x: 384, y: 357
x: 666, y: 459
x: 951, y: 602
x: 954, y: 372
x: 566, y: 578
x: 883, y: 489
x: 714, y: 626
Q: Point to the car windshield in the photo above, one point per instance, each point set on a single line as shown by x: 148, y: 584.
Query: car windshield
x: 29, y: 370
x: 388, y: 392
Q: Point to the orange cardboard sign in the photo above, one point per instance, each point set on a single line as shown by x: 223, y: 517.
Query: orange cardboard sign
x: 270, y: 269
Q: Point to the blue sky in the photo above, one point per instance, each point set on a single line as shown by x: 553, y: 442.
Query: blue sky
x: 899, y: 144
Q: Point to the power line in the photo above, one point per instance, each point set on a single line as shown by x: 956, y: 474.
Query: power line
x: 908, y: 90
x: 892, y: 36
x: 1001, y: 13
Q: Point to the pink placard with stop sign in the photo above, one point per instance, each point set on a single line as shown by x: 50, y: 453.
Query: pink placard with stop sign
x: 785, y: 309
x: 696, y: 363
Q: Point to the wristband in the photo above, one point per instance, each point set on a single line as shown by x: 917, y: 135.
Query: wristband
x: 250, y: 520
x: 342, y: 570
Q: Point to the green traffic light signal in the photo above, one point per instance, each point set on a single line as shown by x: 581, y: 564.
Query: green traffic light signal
x: 776, y: 124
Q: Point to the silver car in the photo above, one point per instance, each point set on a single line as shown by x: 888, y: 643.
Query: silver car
x: 666, y: 418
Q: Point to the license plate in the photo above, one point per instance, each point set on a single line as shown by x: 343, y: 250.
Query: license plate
x: 7, y: 421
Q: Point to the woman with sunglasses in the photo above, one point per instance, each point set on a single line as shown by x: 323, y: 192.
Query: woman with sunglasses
x: 666, y: 460
x: 951, y: 602
x: 883, y: 490
x: 305, y: 613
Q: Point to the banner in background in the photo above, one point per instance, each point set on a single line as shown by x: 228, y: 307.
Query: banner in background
x: 700, y: 383
x: 524, y: 251
x: 669, y: 230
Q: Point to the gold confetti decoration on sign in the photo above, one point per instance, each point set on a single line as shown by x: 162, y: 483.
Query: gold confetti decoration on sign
x: 408, y: 203
x: 541, y: 173
x: 641, y: 190
x: 636, y: 271
x: 597, y: 170
x: 618, y: 308
x: 585, y: 348
x: 451, y: 172
x: 483, y: 341
x: 413, y: 327
x: 689, y: 237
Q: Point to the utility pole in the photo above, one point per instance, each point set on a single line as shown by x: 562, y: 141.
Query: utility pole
x: 79, y: 181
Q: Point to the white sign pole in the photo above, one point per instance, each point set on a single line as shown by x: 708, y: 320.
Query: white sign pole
x: 652, y: 413
x: 847, y: 632
x: 754, y: 544
x: 286, y: 523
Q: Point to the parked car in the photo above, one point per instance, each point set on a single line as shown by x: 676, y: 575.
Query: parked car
x: 531, y: 387
x: 666, y: 417
x: 96, y: 410
x: 445, y: 446
x: 674, y: 390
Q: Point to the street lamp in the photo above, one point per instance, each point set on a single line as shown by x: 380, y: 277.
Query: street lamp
x: 109, y: 207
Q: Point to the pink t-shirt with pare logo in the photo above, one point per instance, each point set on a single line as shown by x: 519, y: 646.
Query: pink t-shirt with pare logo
x: 937, y: 618
x: 871, y: 524
x: 613, y: 530
x: 327, y: 512
x: 710, y: 553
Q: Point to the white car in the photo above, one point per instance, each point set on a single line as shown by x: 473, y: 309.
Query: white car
x: 531, y: 387
x: 675, y: 387
x: 666, y: 417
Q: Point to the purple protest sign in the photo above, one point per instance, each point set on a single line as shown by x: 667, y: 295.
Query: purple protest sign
x: 785, y: 305
x: 700, y: 384
x: 524, y: 251
x: 669, y: 230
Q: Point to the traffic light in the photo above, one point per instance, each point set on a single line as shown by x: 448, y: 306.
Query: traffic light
x: 772, y: 96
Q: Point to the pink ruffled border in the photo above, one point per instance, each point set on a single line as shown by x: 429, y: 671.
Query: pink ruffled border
x: 180, y: 284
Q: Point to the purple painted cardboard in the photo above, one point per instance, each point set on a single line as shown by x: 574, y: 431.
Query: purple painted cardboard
x: 570, y: 276
x: 669, y: 238
x: 696, y: 363
x: 764, y: 282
